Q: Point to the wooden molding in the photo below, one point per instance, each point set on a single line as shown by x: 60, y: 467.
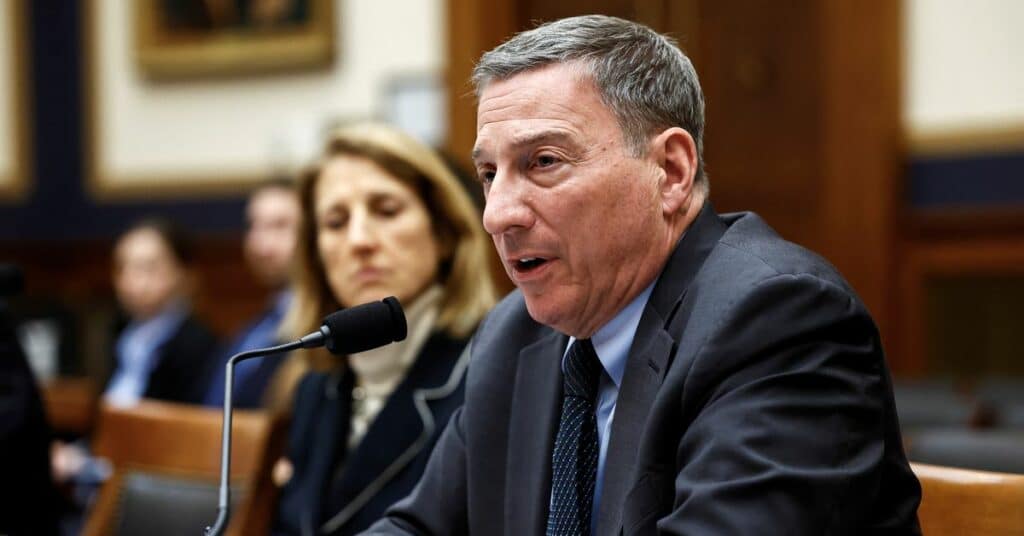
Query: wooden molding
x: 966, y: 140
x: 15, y: 187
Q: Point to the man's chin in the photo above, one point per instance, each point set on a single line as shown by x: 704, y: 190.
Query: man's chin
x: 550, y: 313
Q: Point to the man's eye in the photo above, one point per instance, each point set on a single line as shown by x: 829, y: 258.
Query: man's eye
x: 546, y: 160
x: 486, y: 176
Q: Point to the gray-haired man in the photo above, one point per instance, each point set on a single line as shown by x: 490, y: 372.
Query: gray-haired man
x: 661, y: 368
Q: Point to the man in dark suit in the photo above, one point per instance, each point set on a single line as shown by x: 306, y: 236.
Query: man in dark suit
x: 661, y: 368
x: 272, y: 221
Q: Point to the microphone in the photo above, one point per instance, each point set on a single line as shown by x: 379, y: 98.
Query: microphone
x: 360, y: 328
x: 348, y: 331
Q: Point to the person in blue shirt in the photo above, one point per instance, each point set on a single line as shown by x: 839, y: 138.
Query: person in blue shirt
x: 163, y: 352
x: 272, y: 218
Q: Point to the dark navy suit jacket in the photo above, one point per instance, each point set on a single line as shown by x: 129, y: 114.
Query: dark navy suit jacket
x: 183, y: 364
x: 388, y: 461
x: 756, y: 400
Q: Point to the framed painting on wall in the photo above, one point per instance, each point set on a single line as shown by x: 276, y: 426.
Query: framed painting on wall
x: 177, y: 39
x: 14, y: 117
x: 203, y: 137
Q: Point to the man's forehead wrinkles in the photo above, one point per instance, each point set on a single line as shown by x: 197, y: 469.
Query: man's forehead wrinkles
x: 558, y: 130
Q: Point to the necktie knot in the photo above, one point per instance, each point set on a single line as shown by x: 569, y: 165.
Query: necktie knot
x: 582, y: 370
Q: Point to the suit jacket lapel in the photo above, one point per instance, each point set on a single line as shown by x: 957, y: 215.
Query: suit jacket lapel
x: 533, y: 423
x: 333, y: 410
x: 649, y: 358
x: 399, y: 427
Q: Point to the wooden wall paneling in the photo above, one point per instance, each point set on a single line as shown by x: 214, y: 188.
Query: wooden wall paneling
x: 803, y: 126
x: 760, y: 71
x: 533, y: 12
x: 861, y: 136
x: 474, y: 27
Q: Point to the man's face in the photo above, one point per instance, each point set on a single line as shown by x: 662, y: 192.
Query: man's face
x: 147, y: 277
x: 273, y: 220
x: 576, y: 220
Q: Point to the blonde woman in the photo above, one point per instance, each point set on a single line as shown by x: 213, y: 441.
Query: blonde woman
x: 382, y: 215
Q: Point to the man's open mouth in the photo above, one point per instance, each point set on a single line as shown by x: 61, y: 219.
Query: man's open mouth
x: 529, y: 264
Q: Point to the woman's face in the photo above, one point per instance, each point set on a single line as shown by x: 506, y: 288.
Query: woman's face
x: 374, y: 234
x: 146, y: 275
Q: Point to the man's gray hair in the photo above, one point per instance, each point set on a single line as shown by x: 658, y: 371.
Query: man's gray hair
x: 641, y: 75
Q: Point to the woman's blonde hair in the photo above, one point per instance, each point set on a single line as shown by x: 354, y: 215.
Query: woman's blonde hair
x: 463, y: 273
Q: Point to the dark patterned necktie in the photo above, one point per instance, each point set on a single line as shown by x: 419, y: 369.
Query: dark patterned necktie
x: 574, y: 463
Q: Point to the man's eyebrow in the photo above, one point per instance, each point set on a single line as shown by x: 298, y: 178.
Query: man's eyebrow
x: 532, y: 138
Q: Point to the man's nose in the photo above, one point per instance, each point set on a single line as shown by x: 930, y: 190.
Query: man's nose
x: 506, y: 206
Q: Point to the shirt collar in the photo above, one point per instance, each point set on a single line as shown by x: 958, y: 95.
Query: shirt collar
x: 163, y: 321
x: 612, y: 340
x: 282, y: 300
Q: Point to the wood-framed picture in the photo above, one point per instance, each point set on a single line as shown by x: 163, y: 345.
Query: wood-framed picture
x: 15, y: 128
x: 180, y: 39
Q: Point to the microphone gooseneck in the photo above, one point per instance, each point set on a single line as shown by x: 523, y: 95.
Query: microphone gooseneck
x: 348, y: 331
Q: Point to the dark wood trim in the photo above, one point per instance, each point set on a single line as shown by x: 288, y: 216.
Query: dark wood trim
x: 925, y: 259
x: 962, y: 222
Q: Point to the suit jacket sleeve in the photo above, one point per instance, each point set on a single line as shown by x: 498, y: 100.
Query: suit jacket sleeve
x: 785, y: 408
x: 438, y: 503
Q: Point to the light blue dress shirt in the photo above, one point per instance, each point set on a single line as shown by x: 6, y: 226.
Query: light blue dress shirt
x: 261, y: 334
x: 611, y: 342
x: 136, y: 354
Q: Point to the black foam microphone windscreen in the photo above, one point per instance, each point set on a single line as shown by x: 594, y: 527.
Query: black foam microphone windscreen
x: 365, y: 327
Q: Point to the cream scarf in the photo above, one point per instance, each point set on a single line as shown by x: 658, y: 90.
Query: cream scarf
x: 378, y: 372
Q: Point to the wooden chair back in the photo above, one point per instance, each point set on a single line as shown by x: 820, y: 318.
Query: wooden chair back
x: 184, y: 442
x: 962, y: 501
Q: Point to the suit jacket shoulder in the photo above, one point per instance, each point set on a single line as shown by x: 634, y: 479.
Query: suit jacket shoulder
x: 755, y: 401
x: 183, y: 370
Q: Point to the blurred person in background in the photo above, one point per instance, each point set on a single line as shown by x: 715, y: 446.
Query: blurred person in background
x: 162, y: 352
x: 382, y: 216
x: 272, y: 216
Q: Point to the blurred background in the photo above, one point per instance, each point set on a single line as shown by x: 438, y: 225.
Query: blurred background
x: 887, y: 135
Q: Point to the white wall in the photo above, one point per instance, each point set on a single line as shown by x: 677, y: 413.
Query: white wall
x: 206, y: 129
x: 964, y: 65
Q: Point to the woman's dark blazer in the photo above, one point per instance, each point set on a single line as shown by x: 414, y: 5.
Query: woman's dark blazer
x: 388, y: 461
x: 182, y: 370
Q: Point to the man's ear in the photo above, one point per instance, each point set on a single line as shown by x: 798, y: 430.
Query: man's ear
x: 677, y: 157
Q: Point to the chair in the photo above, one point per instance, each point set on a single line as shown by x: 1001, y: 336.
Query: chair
x: 983, y: 450
x: 166, y: 469
x: 961, y: 501
x: 1005, y: 397
x: 929, y: 403
x: 70, y: 405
